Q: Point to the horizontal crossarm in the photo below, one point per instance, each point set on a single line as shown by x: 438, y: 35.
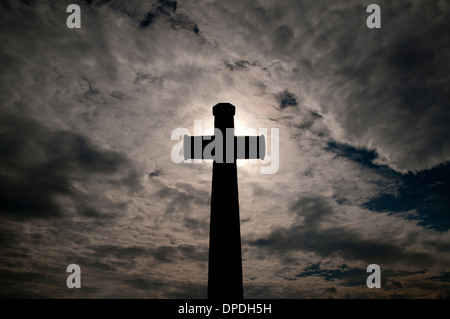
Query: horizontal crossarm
x: 241, y: 147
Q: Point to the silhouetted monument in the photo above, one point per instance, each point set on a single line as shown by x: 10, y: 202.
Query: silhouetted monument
x: 225, y: 257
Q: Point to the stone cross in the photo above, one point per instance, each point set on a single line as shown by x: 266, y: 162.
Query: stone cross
x: 225, y: 257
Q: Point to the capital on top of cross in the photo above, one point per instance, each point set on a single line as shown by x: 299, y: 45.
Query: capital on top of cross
x: 224, y: 109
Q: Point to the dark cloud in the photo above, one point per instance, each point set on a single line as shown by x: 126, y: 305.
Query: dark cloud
x: 308, y: 235
x: 91, y: 265
x: 167, y: 254
x: 183, y: 203
x: 119, y: 264
x: 146, y: 284
x: 398, y: 100
x: 350, y: 277
x: 165, y: 10
x: 281, y: 40
x: 168, y: 5
x: 184, y: 22
x: 155, y: 173
x: 385, y: 89
x: 160, y: 10
x: 179, y: 254
x: 424, y: 192
x: 10, y: 279
x: 119, y: 252
x: 183, y: 198
x: 286, y: 99
x: 188, y: 290
x: 444, y: 277
x: 172, y: 289
x: 197, y: 225
x: 360, y: 155
x: 195, y: 29
x: 396, y: 284
x: 39, y: 164
x: 29, y: 282
x: 239, y: 65
x: 412, y: 58
x: 149, y: 17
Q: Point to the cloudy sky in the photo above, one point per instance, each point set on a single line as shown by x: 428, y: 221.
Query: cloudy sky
x: 86, y: 175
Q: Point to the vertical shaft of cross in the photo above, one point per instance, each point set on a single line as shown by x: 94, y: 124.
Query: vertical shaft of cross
x: 225, y: 258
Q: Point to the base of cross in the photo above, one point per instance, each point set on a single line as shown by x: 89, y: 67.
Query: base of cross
x: 225, y: 256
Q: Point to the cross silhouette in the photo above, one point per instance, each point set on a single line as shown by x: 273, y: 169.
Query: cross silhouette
x: 225, y: 256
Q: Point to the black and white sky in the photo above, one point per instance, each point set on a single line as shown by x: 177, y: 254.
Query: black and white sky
x: 86, y: 175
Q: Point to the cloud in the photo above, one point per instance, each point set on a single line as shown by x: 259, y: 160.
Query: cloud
x: 240, y: 65
x: 376, y: 89
x: 165, y: 10
x: 308, y: 234
x: 143, y: 283
x: 404, y: 121
x: 286, y: 99
x: 350, y: 277
x: 155, y: 173
x: 182, y: 198
x: 421, y: 193
x: 40, y: 164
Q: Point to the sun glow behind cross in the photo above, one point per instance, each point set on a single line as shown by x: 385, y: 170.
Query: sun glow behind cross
x: 243, y: 129
x: 245, y: 124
